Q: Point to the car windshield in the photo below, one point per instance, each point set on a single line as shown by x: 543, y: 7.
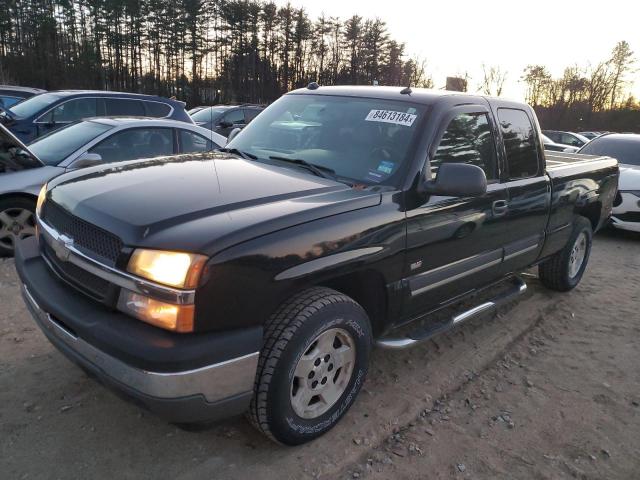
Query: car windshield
x: 206, y: 114
x: 33, y: 105
x: 626, y: 150
x: 58, y: 145
x: 365, y: 140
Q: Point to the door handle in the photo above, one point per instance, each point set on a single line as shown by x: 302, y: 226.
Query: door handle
x: 499, y: 208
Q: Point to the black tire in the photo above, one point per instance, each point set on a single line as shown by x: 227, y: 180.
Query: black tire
x: 9, y: 206
x: 290, y: 334
x: 555, y: 272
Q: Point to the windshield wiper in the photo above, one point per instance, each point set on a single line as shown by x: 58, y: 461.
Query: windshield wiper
x: 245, y: 155
x: 319, y: 170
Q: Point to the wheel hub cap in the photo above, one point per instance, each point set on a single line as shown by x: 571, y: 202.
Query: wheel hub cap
x: 578, y: 252
x: 323, y: 373
x: 15, y: 224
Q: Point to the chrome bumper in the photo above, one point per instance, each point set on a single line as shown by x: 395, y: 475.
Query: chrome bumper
x: 215, y: 383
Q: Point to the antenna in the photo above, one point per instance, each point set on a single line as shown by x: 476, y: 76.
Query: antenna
x: 313, y: 86
x: 406, y: 91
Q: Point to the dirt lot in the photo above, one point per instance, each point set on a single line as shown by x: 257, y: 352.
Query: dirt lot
x: 549, y: 388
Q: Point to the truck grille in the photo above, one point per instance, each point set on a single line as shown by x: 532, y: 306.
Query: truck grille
x: 84, y: 281
x: 88, y: 236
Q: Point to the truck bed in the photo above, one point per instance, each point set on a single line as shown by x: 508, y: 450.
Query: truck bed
x: 559, y: 159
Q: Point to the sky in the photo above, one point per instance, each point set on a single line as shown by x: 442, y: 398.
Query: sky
x: 455, y: 36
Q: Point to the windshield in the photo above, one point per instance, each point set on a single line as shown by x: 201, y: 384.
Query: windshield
x: 361, y: 139
x: 33, y: 105
x: 625, y: 150
x: 58, y: 145
x: 206, y: 114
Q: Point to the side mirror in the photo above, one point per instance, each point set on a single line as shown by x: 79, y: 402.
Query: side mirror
x: 234, y: 133
x: 457, y: 180
x: 225, y: 124
x: 86, y: 160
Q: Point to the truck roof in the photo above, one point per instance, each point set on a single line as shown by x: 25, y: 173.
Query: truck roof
x: 423, y: 96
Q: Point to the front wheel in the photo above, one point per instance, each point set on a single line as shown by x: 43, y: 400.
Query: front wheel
x: 312, y: 366
x: 564, y: 270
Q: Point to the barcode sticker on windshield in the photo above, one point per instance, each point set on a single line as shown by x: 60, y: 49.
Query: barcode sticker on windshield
x: 389, y: 116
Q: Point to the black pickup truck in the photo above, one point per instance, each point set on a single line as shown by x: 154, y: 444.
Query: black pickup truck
x: 257, y: 279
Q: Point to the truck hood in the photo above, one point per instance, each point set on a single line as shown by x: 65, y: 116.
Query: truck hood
x: 629, y: 177
x: 200, y: 203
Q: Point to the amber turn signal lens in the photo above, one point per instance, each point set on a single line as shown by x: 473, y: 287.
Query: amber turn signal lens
x: 177, y: 318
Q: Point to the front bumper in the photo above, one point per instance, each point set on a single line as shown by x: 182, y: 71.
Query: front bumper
x: 626, y: 215
x: 173, y: 375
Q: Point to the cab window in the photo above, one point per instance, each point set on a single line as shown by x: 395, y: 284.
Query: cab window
x: 519, y: 143
x: 467, y: 139
x: 135, y: 143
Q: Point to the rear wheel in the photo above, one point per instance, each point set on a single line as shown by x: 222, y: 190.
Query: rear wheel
x: 17, y: 221
x: 312, y: 366
x: 564, y: 270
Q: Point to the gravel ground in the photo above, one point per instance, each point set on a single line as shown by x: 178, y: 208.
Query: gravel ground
x: 548, y: 388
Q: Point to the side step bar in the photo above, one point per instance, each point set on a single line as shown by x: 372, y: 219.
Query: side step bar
x: 425, y: 333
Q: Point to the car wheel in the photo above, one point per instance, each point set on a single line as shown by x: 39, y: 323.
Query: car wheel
x: 312, y: 365
x: 564, y: 270
x: 17, y: 221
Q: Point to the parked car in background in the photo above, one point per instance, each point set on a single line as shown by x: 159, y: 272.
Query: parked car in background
x: 49, y: 111
x: 23, y: 170
x: 556, y: 147
x: 194, y: 110
x: 626, y: 148
x: 566, y: 138
x: 12, y: 94
x: 591, y: 135
x: 223, y: 119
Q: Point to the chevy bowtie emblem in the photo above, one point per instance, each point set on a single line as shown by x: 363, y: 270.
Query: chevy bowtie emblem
x: 61, y: 246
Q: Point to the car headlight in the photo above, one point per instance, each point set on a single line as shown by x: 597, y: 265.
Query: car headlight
x: 633, y: 192
x: 175, y: 269
x: 41, y: 198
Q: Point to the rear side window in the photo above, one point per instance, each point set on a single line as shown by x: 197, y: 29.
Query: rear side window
x: 135, y: 143
x: 467, y: 139
x: 191, y: 142
x: 157, y: 109
x: 121, y: 106
x: 71, y: 110
x: 519, y: 143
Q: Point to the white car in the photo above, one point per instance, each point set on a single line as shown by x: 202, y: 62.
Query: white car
x: 23, y: 170
x: 626, y: 148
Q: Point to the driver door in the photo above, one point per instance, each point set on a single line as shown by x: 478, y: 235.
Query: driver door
x: 455, y: 244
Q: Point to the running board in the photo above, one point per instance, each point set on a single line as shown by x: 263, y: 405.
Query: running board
x: 429, y: 331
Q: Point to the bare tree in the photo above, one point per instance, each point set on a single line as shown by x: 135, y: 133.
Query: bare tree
x: 493, y: 80
x: 622, y: 62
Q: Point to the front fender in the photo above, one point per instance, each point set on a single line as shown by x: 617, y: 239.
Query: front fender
x: 244, y: 284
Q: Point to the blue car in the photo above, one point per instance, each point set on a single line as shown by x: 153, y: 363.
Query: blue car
x: 46, y: 112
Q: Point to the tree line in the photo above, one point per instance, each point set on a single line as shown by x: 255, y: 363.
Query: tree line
x: 201, y: 51
x: 595, y: 97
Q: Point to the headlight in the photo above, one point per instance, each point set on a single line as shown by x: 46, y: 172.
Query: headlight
x: 176, y: 269
x: 633, y: 192
x: 178, y: 318
x: 41, y: 198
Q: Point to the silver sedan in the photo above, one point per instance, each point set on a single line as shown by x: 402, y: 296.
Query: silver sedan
x: 23, y: 170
